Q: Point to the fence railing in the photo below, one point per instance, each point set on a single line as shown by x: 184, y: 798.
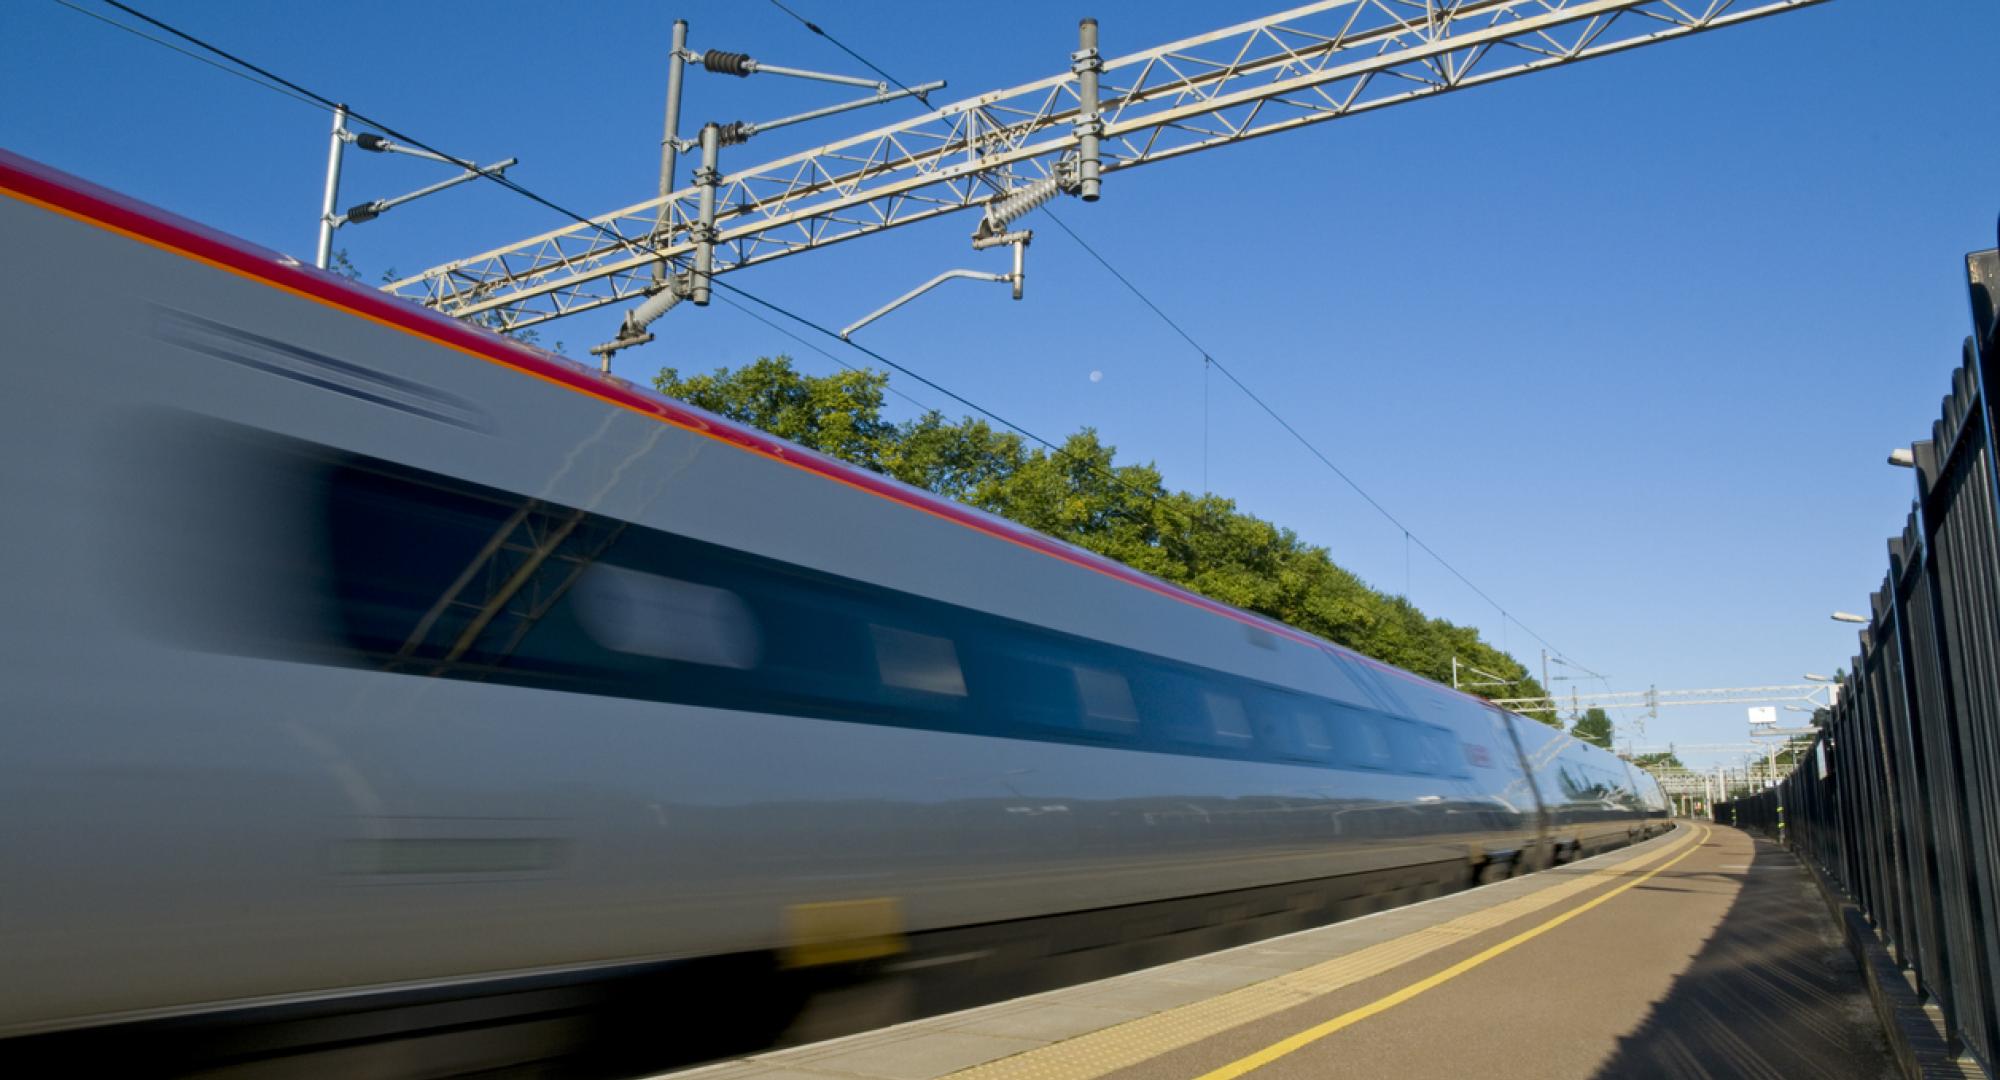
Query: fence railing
x: 1898, y: 800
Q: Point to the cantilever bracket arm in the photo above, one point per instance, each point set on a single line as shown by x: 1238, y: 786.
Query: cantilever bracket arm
x: 970, y: 275
x: 369, y: 211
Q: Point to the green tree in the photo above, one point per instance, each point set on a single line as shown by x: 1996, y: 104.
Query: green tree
x: 1667, y: 760
x: 1594, y: 727
x: 1081, y: 494
x: 839, y: 415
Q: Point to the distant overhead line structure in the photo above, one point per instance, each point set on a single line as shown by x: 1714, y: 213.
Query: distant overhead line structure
x: 1803, y: 693
x: 1009, y: 151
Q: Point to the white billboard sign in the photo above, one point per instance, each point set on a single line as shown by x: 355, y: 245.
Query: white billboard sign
x: 1764, y: 714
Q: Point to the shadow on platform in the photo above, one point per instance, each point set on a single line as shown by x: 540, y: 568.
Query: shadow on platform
x: 1772, y: 994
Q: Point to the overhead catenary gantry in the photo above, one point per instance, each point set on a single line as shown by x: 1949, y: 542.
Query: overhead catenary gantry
x: 1816, y: 695
x: 1009, y: 151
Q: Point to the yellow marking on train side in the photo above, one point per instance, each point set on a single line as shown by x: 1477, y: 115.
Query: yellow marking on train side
x: 843, y: 931
x: 1124, y: 1045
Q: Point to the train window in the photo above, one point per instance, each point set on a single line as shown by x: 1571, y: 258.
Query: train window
x: 1425, y: 749
x: 397, y: 549
x: 1107, y: 701
x: 1446, y: 751
x: 1033, y: 692
x: 1288, y: 726
x: 1311, y: 730
x: 436, y: 576
x: 1364, y: 742
x: 665, y: 618
x: 1226, y: 715
x: 1614, y: 786
x: 1170, y: 707
x: 914, y: 661
x: 1410, y: 750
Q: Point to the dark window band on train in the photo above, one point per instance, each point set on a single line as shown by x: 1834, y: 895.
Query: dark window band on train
x: 433, y: 576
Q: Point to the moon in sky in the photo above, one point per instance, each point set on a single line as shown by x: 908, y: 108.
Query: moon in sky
x: 1097, y: 376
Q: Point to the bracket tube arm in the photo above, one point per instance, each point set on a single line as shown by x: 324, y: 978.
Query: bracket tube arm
x: 882, y: 96
x: 948, y: 275
x: 370, y: 210
x: 381, y: 145
x: 756, y: 67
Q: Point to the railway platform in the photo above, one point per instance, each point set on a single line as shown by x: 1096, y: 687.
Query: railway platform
x: 1700, y: 953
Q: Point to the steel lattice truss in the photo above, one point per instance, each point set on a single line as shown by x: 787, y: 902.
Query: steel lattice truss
x: 1802, y: 694
x: 1305, y: 66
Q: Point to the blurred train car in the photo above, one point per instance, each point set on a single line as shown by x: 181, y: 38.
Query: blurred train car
x: 368, y: 674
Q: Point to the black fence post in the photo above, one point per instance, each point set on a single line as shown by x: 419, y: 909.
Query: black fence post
x: 1898, y: 798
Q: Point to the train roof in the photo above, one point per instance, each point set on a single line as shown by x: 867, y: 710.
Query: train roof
x: 51, y: 189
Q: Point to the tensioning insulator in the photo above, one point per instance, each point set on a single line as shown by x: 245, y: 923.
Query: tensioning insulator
x: 729, y: 63
x: 1004, y: 210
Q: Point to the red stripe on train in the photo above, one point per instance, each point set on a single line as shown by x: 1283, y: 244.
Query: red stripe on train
x: 91, y: 203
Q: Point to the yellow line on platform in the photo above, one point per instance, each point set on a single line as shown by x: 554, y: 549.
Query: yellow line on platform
x: 1389, y: 1001
x: 1123, y: 1045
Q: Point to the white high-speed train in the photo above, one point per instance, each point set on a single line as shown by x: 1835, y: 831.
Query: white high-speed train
x: 363, y: 672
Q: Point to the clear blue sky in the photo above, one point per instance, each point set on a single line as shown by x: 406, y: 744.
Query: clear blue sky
x: 1627, y: 341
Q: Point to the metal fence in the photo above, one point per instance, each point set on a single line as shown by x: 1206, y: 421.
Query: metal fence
x: 1899, y: 800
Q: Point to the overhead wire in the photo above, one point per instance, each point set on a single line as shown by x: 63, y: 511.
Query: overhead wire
x: 1055, y: 449
x: 329, y: 103
x: 862, y: 60
x: 1209, y: 360
x: 282, y: 84
x: 815, y: 347
x: 197, y: 57
x: 1052, y: 447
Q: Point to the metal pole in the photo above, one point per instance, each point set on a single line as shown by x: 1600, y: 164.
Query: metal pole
x: 327, y: 205
x: 1087, y: 64
x: 1548, y: 687
x: 670, y: 143
x: 704, y: 231
x: 1454, y: 671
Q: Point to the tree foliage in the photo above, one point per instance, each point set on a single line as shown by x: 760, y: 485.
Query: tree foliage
x: 1082, y: 495
x: 1666, y: 760
x: 1594, y: 727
